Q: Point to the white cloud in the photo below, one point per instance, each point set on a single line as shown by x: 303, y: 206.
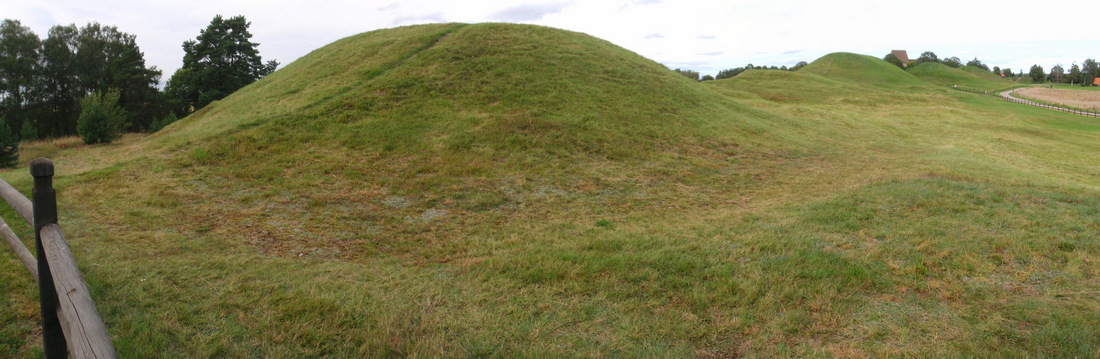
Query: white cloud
x: 528, y: 12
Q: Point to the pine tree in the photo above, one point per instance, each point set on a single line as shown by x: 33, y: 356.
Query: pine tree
x: 101, y: 119
x: 218, y: 62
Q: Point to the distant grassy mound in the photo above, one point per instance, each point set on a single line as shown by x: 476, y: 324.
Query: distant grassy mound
x: 967, y: 76
x: 860, y: 69
x: 981, y: 73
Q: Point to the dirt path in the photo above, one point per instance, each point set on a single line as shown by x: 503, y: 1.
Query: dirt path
x: 1085, y: 100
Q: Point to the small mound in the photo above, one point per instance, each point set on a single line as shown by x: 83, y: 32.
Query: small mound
x: 981, y: 73
x: 966, y: 76
x: 861, y: 69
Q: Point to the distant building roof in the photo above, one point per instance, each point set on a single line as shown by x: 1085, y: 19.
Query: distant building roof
x: 901, y: 55
x: 1096, y: 81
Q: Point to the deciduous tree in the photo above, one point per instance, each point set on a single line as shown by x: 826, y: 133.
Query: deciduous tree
x: 1090, y: 70
x: 80, y: 61
x: 1074, y: 75
x: 893, y: 60
x: 1057, y: 74
x: 977, y: 63
x: 953, y: 62
x: 1036, y: 74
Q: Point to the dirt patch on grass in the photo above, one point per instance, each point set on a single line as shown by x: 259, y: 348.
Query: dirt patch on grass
x: 1088, y: 100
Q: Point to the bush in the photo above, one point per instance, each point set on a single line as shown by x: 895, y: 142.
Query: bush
x: 101, y: 119
x: 28, y: 132
x: 9, y: 146
x: 161, y: 123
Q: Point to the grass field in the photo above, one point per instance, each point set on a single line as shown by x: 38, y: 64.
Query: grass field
x: 517, y: 191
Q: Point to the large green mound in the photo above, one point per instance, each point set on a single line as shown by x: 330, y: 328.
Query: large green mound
x: 966, y: 76
x: 493, y: 89
x: 861, y: 69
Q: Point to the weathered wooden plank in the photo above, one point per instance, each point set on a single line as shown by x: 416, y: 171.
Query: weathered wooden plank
x: 17, y: 200
x: 21, y: 250
x: 85, y: 333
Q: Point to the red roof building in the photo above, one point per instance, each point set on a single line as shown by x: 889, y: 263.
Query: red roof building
x: 1096, y: 82
x: 901, y: 55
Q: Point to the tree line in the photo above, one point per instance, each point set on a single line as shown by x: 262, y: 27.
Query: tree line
x: 94, y: 78
x: 1083, y: 75
x: 727, y: 73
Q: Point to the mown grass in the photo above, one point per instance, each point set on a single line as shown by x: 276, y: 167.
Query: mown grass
x: 1076, y: 87
x: 515, y: 191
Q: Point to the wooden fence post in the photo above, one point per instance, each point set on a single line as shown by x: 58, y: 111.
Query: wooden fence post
x: 44, y: 200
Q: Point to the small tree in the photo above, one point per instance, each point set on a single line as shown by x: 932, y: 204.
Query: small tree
x: 799, y: 65
x: 707, y: 78
x: 1037, y: 74
x: 997, y: 70
x: 101, y: 119
x: 9, y: 146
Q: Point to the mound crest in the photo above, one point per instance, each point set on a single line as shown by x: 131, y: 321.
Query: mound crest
x: 861, y: 69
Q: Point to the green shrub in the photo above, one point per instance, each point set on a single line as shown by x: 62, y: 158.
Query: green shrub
x: 101, y: 119
x: 28, y: 132
x: 161, y: 123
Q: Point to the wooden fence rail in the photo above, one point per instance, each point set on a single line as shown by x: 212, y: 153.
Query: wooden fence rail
x: 70, y: 322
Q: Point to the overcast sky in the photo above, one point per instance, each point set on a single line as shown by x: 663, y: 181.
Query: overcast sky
x: 703, y: 35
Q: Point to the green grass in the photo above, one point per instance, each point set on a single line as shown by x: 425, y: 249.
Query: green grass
x: 1076, y: 87
x: 498, y: 190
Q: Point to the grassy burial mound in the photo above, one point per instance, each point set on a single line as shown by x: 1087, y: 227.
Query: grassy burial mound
x: 520, y: 191
x: 861, y: 69
x: 965, y: 76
